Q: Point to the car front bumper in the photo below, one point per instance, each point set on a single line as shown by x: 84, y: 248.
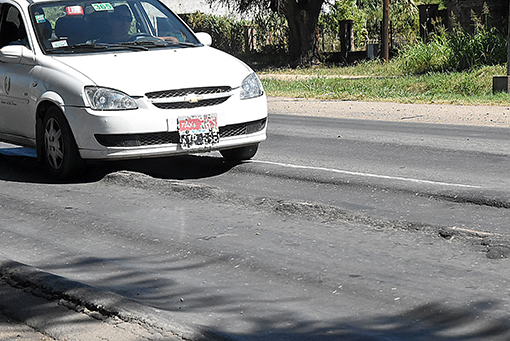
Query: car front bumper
x: 153, y: 132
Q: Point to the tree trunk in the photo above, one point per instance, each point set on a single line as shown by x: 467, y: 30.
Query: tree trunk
x: 302, y: 17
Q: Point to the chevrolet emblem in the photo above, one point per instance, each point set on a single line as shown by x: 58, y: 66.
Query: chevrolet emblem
x: 192, y: 98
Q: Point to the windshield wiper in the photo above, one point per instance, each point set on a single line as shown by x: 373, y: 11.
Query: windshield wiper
x: 72, y: 48
x: 96, y: 46
x: 128, y: 45
x: 158, y: 43
x: 145, y: 44
x: 136, y: 45
x: 182, y: 43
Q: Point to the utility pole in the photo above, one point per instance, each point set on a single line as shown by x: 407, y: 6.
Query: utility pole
x: 386, y: 31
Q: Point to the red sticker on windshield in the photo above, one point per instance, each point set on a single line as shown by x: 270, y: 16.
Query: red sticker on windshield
x: 74, y: 10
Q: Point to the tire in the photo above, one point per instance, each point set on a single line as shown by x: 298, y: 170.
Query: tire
x: 241, y: 153
x: 56, y: 143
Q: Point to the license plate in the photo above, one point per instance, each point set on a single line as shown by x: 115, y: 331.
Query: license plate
x: 198, y: 131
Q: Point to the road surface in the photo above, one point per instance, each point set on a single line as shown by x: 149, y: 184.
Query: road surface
x: 337, y: 228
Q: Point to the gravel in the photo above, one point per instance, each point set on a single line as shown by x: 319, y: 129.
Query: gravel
x: 490, y: 116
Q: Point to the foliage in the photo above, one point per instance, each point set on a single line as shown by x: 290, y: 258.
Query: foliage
x: 457, y: 50
x: 405, y: 21
x: 367, y: 17
x: 423, y: 57
x: 245, y: 6
x: 486, y: 46
x: 272, y: 33
x: 227, y: 33
x: 345, y: 10
x: 454, y: 50
x: 375, y: 81
x: 301, y: 16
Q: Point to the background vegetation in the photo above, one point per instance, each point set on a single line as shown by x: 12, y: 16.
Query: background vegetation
x: 451, y: 66
x: 374, y: 81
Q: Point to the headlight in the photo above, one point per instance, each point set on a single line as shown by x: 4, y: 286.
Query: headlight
x: 108, y: 99
x: 251, y: 87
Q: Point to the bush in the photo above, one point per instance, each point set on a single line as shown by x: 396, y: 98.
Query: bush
x: 425, y: 57
x: 486, y: 46
x: 457, y: 50
x: 272, y: 33
x: 227, y: 33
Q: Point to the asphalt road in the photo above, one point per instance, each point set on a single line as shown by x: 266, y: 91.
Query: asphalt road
x: 338, y: 229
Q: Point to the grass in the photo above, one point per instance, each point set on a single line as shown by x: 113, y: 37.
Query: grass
x: 375, y: 81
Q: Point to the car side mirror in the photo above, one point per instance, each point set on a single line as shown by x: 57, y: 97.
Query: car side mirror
x: 17, y: 54
x: 205, y: 38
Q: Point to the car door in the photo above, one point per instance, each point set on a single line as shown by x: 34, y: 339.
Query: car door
x: 15, y: 78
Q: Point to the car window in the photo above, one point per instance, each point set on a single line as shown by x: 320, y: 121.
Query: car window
x: 162, y: 25
x: 91, y: 26
x: 12, y: 27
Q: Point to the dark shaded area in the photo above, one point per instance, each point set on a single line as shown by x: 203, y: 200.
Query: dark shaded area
x: 16, y: 164
x: 177, y: 167
x: 431, y: 321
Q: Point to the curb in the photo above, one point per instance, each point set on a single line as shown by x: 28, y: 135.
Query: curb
x: 103, y: 303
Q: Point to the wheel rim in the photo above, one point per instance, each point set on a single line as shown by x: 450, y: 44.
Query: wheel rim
x: 53, y: 143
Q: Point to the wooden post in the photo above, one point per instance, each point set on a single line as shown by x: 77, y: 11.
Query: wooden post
x: 385, y: 31
x: 508, y: 51
x: 502, y: 83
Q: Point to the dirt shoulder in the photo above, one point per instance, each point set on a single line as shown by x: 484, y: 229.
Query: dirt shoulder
x: 491, y: 116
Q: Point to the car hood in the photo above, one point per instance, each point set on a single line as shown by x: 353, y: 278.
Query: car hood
x: 139, y: 72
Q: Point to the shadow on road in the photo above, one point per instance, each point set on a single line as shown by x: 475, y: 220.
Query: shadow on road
x: 25, y: 168
x: 156, y: 284
x: 430, y: 321
x: 433, y: 321
x: 177, y: 167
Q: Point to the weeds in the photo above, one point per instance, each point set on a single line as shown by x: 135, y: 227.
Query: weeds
x: 457, y: 50
x: 454, y: 67
x: 466, y: 87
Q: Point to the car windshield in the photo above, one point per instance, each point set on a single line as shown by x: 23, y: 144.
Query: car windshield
x: 93, y: 26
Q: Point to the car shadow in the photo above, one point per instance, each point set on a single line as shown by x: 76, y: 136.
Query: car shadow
x: 20, y: 165
x: 183, y: 167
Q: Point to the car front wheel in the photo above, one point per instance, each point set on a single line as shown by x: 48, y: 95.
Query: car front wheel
x: 240, y: 153
x: 60, y: 153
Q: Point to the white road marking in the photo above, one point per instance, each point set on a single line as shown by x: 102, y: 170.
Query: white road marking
x: 387, y: 177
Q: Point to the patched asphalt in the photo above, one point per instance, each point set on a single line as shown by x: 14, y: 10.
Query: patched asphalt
x: 37, y: 305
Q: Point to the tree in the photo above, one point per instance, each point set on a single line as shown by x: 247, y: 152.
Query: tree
x: 302, y: 18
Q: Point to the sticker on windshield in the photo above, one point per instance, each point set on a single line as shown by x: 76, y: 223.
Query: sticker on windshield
x: 59, y: 43
x: 102, y: 7
x: 74, y: 10
x: 39, y: 18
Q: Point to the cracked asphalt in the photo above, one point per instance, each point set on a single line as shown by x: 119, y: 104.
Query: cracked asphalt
x: 50, y: 312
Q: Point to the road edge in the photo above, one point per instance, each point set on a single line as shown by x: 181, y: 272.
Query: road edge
x: 105, y: 303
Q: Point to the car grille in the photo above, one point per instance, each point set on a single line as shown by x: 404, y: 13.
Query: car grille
x: 242, y: 128
x: 189, y: 105
x: 136, y: 140
x: 190, y: 97
x: 152, y: 139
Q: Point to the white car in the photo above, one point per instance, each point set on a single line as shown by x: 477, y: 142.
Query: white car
x: 75, y: 86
